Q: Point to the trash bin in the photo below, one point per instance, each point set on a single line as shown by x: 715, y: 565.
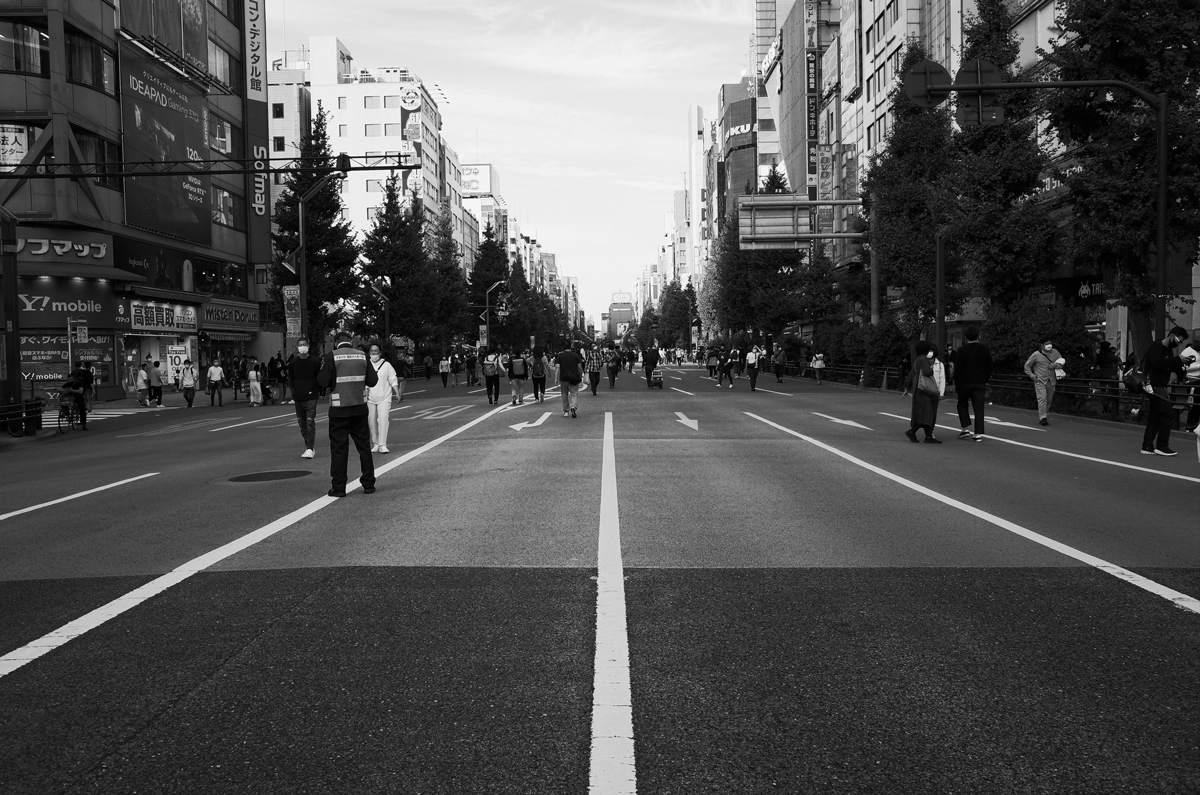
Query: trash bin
x: 33, y: 417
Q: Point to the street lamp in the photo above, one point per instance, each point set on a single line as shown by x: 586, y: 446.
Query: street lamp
x: 387, y: 310
x: 343, y: 165
x: 487, y: 309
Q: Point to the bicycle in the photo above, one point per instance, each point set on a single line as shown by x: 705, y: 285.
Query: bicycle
x: 68, y: 412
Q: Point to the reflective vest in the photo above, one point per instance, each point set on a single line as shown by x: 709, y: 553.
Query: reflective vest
x: 349, y: 378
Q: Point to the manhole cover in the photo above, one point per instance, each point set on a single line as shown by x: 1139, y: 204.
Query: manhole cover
x: 277, y: 474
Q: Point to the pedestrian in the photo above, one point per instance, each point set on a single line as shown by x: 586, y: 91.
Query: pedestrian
x: 216, y: 378
x: 713, y: 362
x: 78, y: 383
x: 155, y: 375
x: 283, y: 379
x: 456, y: 368
x: 780, y: 361
x: 1192, y: 373
x: 187, y: 381
x: 404, y: 372
x: 428, y: 362
x: 752, y: 357
x: 518, y: 374
x: 1159, y: 364
x: 972, y: 371
x: 904, y: 366
x: 818, y: 367
x: 444, y: 369
x: 948, y: 360
x: 724, y: 367
x: 1108, y: 371
x: 650, y: 363
x: 927, y: 393
x: 254, y: 385
x: 379, y: 397
x: 344, y: 372
x: 1044, y: 366
x: 472, y: 364
x: 143, y: 386
x: 491, y: 374
x: 631, y: 358
x: 593, y: 363
x: 302, y: 372
x: 612, y: 363
x: 537, y: 371
x: 568, y: 378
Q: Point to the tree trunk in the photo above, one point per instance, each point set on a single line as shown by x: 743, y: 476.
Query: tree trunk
x: 1139, y: 332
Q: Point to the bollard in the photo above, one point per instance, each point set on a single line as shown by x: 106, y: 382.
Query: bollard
x: 862, y: 378
x: 883, y: 381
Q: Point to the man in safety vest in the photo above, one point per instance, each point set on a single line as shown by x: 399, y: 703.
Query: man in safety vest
x: 346, y: 374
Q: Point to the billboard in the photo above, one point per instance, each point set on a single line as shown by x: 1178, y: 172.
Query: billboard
x: 161, y: 267
x: 258, y: 230
x: 180, y: 26
x: 164, y: 118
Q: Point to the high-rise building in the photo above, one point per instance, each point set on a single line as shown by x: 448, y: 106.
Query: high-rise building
x: 150, y: 266
x: 697, y: 194
x: 291, y: 116
x: 621, y: 317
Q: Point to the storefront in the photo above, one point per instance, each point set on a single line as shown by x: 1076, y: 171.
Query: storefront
x: 163, y: 328
x: 66, y: 279
x: 229, y: 328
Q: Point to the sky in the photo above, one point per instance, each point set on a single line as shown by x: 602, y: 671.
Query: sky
x: 580, y: 105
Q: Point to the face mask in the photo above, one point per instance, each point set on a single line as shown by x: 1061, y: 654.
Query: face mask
x: 374, y: 357
x: 303, y: 351
x: 929, y: 355
x: 1048, y: 348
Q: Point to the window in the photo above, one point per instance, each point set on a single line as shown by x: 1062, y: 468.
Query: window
x: 100, y: 150
x: 24, y: 48
x: 893, y: 12
x: 223, y: 66
x: 260, y: 275
x: 276, y: 110
x: 870, y: 86
x: 372, y: 212
x: 277, y: 177
x: 870, y: 38
x: 391, y: 101
x: 228, y: 209
x: 870, y: 135
x: 277, y: 143
x: 341, y: 103
x: 374, y: 186
x: 370, y: 102
x: 393, y: 129
x: 227, y: 7
x: 220, y: 278
x: 223, y: 137
x: 343, y: 130
x: 372, y: 130
x: 90, y: 64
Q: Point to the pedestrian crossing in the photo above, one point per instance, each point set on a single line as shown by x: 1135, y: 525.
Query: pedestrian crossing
x: 50, y: 415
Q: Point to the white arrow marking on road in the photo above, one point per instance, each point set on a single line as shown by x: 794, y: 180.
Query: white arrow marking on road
x: 533, y: 424
x: 842, y: 422
x: 693, y: 424
x: 693, y: 394
x: 1000, y: 422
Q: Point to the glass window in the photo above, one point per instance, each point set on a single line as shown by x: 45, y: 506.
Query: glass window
x: 277, y: 144
x: 341, y: 103
x: 870, y: 38
x: 276, y: 110
x: 24, y: 47
x: 393, y: 129
x: 223, y: 66
x: 223, y: 137
x: 372, y: 130
x: 90, y: 64
x: 103, y: 152
x: 260, y: 275
x: 374, y: 186
x: 370, y: 102
x: 228, y: 209
x: 227, y: 7
x: 221, y: 278
x: 343, y: 130
x: 391, y: 101
x: 371, y: 213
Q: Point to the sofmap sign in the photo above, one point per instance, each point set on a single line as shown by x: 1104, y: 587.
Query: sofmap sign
x: 257, y: 126
x: 47, y: 303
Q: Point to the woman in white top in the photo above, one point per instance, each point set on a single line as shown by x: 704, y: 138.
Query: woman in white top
x: 255, y: 379
x: 379, y: 398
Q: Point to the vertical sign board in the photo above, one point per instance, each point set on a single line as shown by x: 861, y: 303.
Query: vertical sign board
x: 410, y: 125
x: 824, y: 186
x: 291, y: 308
x: 812, y: 63
x: 258, y: 237
x: 175, y: 356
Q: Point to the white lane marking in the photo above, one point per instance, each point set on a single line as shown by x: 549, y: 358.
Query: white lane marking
x: 416, y: 392
x: 994, y: 421
x: 1064, y: 452
x: 400, y: 408
x: 851, y: 423
x: 251, y: 422
x: 684, y: 391
x: 534, y: 424
x: 1177, y: 598
x: 476, y: 391
x: 52, y: 640
x: 11, y: 514
x: 675, y: 378
x: 178, y: 427
x: 683, y: 420
x: 773, y: 392
x: 611, y: 771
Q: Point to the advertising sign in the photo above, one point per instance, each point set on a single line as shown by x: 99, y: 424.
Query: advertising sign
x: 179, y: 25
x: 162, y: 317
x: 824, y: 186
x: 291, y: 308
x: 221, y: 314
x: 848, y: 58
x: 257, y: 125
x: 175, y: 356
x: 47, y: 303
x: 476, y: 180
x: 44, y: 357
x: 14, y: 144
x: 850, y: 187
x: 164, y: 118
x: 43, y: 245
x: 160, y: 266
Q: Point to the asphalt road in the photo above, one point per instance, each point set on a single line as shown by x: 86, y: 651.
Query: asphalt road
x: 811, y: 603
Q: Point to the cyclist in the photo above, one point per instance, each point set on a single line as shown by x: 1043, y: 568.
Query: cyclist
x: 78, y: 383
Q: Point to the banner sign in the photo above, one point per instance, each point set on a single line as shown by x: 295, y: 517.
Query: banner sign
x: 824, y: 186
x: 179, y: 25
x: 258, y: 133
x: 175, y: 356
x: 161, y: 317
x: 291, y: 308
x: 164, y: 118
x: 46, y: 303
x: 40, y: 245
x: 14, y: 144
x: 44, y: 356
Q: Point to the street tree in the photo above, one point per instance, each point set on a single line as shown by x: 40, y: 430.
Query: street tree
x: 396, y: 261
x: 1111, y: 139
x: 775, y: 181
x: 903, y: 184
x: 452, y: 318
x: 519, y: 324
x: 675, y: 316
x: 329, y: 240
x: 648, y: 329
x: 491, y: 266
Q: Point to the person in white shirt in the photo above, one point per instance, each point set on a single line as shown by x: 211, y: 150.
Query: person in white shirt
x: 187, y: 381
x: 379, y: 398
x: 216, y: 377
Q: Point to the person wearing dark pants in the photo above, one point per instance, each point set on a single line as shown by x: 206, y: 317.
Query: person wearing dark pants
x: 345, y: 371
x: 302, y: 371
x: 1159, y: 363
x: 972, y: 371
x: 753, y: 357
x: 78, y: 383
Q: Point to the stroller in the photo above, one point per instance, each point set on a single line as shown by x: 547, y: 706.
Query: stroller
x: 656, y: 378
x: 268, y: 394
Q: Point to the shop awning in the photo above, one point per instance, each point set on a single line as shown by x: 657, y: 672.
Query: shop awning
x: 83, y: 270
x: 163, y: 294
x: 227, y: 336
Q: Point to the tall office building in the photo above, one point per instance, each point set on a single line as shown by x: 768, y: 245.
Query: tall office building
x: 145, y: 264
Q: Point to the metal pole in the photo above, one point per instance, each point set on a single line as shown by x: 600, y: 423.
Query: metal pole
x: 70, y: 357
x: 302, y: 272
x: 874, y: 275
x: 940, y: 291
x: 12, y: 325
x: 487, y: 311
x: 1160, y: 266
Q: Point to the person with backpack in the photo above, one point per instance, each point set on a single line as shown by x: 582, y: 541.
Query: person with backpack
x: 491, y: 374
x: 725, y: 365
x: 752, y: 357
x: 188, y: 378
x: 779, y: 360
x: 428, y: 362
x: 518, y: 373
x: 593, y: 361
x: 472, y: 373
x: 537, y: 371
x: 612, y: 361
x: 570, y: 376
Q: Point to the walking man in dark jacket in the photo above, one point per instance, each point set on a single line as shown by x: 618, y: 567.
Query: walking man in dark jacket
x: 347, y: 374
x: 302, y: 371
x: 1159, y: 363
x: 972, y: 371
x: 650, y: 362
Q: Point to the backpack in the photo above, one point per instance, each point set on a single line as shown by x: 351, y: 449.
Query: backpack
x: 517, y: 364
x: 539, y: 368
x: 489, y: 365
